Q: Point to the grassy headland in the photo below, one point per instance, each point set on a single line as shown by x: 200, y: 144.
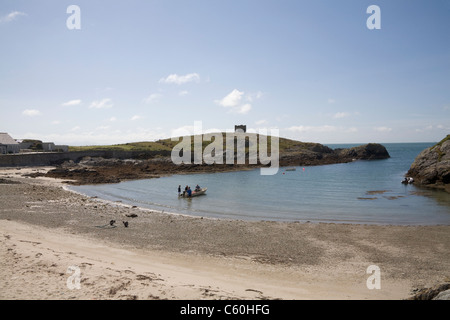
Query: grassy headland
x: 152, y: 158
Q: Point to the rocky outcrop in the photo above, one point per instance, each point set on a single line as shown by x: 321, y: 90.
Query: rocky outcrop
x: 371, y: 151
x: 94, y: 170
x: 443, y: 295
x: 318, y: 154
x: 438, y: 292
x: 432, y: 166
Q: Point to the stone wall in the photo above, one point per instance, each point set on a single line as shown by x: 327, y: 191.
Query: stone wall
x: 55, y: 158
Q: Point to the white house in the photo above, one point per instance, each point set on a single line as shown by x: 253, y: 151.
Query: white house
x: 8, y: 144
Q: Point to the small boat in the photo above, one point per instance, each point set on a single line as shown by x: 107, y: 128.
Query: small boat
x: 194, y: 193
x: 290, y: 169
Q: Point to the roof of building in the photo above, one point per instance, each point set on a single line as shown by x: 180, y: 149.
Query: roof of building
x: 6, y: 139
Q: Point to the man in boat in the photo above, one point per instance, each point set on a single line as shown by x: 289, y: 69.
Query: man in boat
x: 197, y: 188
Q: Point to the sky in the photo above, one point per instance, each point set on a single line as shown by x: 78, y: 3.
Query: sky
x: 142, y: 70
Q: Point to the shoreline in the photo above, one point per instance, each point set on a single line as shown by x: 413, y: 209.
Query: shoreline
x: 311, y: 221
x: 42, y: 224
x: 246, y: 218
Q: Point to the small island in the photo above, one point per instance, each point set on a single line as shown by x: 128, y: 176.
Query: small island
x: 144, y: 160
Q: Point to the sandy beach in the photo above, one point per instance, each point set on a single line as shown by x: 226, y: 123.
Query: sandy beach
x: 56, y: 244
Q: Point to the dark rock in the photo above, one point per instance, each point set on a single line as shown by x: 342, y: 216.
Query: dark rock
x: 432, y: 166
x: 321, y: 148
x: 430, y: 293
x: 443, y: 295
x: 371, y: 151
x: 319, y: 155
x: 6, y: 181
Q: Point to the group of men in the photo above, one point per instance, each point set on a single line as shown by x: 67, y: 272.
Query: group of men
x: 188, y: 190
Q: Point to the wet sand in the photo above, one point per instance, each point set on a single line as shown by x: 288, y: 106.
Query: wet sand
x: 46, y: 232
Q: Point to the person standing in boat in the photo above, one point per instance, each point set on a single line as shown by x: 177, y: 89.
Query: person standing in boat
x: 189, y: 192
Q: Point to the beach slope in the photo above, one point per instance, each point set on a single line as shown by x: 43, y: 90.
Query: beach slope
x: 50, y: 237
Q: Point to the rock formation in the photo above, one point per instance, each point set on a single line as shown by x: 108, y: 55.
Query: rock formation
x: 432, y: 166
x: 93, y: 170
x: 317, y: 154
x: 438, y: 292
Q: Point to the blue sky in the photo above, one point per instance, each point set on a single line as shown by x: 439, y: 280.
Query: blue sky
x: 143, y: 70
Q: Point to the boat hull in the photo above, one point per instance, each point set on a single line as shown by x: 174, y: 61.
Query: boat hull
x: 194, y: 193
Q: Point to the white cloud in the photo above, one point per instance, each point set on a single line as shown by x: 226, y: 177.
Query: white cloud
x: 56, y: 122
x: 183, y: 93
x: 322, y: 133
x: 12, y: 16
x: 302, y: 129
x: 321, y: 129
x: 176, y: 79
x: 244, y: 109
x: 102, y: 104
x: 234, y: 101
x: 71, y: 103
x: 190, y: 130
x: 256, y: 95
x: 430, y: 128
x: 340, y: 115
x: 182, y: 131
x: 383, y: 129
x: 31, y: 112
x: 135, y: 117
x: 102, y: 137
x: 331, y: 101
x: 260, y: 122
x: 154, y: 97
x: 213, y: 130
x: 112, y: 119
x: 76, y: 128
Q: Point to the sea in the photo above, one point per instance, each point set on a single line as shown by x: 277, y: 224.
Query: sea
x: 360, y: 192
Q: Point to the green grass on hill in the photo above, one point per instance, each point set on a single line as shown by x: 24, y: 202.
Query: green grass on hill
x: 134, y: 146
x: 285, y: 145
x: 437, y: 147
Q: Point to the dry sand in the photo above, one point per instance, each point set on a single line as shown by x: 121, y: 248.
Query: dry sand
x: 49, y: 237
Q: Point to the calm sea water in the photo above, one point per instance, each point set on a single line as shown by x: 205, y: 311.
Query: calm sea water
x: 359, y: 192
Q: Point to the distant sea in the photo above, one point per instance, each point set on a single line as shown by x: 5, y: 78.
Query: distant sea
x: 361, y: 192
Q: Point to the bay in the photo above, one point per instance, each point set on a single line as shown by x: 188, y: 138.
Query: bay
x: 366, y: 192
